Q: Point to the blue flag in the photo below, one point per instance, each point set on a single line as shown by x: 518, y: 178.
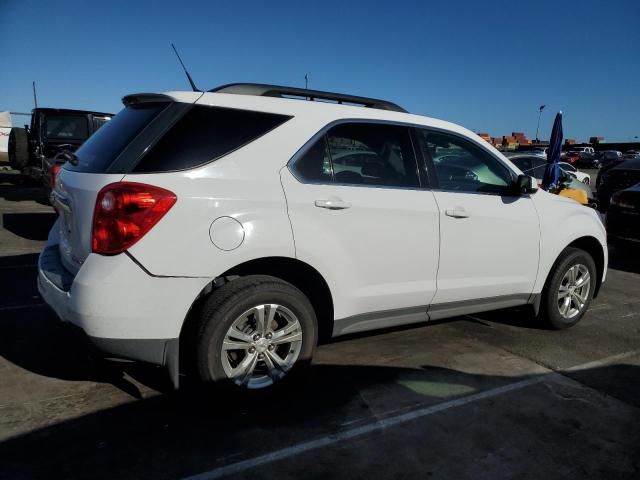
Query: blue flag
x: 552, y: 171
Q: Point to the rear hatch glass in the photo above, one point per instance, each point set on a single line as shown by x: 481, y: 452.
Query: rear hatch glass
x: 98, y: 153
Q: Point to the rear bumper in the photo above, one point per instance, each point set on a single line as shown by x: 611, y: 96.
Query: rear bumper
x: 124, y: 311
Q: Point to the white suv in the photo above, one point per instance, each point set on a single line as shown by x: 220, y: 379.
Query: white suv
x: 232, y: 229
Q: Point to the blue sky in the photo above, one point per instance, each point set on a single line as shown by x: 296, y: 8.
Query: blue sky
x: 487, y: 64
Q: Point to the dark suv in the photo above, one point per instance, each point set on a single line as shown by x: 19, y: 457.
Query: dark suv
x: 36, y: 149
x: 616, y: 178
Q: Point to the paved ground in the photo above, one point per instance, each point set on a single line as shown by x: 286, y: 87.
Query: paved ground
x: 489, y: 396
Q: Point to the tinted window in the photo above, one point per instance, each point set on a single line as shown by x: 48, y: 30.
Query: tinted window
x: 532, y: 166
x: 204, y: 134
x: 100, y: 121
x: 61, y: 127
x: 523, y: 163
x: 102, y: 148
x: 462, y: 166
x: 371, y: 154
x: 314, y: 165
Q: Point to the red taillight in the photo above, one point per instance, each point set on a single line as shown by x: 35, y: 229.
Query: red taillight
x: 55, y: 170
x: 124, y: 213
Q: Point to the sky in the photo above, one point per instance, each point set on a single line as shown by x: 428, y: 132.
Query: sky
x: 487, y: 65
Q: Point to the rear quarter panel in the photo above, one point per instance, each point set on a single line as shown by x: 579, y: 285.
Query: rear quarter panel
x: 244, y: 185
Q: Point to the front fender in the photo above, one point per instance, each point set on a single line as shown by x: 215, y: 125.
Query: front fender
x: 563, y: 222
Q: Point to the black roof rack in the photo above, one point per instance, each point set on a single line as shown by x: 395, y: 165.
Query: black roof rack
x: 264, y: 90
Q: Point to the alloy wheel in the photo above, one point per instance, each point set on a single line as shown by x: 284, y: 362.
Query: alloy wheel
x: 573, y: 292
x: 261, y: 346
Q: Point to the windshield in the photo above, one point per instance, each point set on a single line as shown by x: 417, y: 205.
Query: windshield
x: 102, y: 148
x: 66, y: 127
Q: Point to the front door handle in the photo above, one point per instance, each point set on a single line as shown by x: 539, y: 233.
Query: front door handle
x: 457, y: 212
x: 332, y: 204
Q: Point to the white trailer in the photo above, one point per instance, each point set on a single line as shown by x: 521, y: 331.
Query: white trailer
x: 5, y: 129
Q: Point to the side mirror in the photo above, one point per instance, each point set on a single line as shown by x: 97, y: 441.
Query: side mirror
x: 525, y: 184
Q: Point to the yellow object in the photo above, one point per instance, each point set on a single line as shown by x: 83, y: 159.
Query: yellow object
x: 579, y: 196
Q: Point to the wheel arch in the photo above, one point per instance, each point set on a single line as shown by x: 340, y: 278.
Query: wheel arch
x: 593, y: 247
x: 296, y: 272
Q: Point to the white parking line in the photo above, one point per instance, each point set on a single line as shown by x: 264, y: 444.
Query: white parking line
x: 381, y: 424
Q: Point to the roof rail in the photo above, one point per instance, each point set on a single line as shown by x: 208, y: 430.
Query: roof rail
x: 263, y: 90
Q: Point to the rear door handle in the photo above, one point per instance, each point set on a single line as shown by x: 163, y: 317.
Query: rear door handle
x: 332, y: 204
x: 457, y: 212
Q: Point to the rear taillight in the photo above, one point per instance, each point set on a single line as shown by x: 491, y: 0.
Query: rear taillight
x: 618, y: 200
x: 55, y: 170
x: 124, y: 213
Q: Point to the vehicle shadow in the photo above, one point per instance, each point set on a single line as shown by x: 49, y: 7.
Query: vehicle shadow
x: 32, y: 226
x: 19, y: 188
x: 172, y: 436
x: 521, y: 317
x: 18, y: 282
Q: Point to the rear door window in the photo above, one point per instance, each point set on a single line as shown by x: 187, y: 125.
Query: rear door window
x: 360, y: 154
x: 204, y: 134
x: 373, y: 154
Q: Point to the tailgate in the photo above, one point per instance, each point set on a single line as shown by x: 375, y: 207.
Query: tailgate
x: 74, y: 198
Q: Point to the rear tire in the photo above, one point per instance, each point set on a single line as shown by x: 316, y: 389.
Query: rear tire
x: 569, y: 289
x: 18, y: 148
x: 254, y: 332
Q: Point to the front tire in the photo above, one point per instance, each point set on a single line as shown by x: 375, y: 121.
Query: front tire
x: 569, y: 289
x: 254, y: 332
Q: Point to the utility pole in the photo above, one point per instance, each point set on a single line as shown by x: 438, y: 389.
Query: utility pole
x: 538, y: 127
x: 306, y: 81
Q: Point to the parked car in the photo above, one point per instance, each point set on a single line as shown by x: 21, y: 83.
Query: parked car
x: 570, y: 157
x: 213, y: 227
x: 614, y: 179
x: 606, y: 167
x: 35, y: 150
x: 608, y: 156
x: 582, y: 150
x: 535, y: 166
x: 588, y: 161
x: 630, y: 155
x: 623, y: 217
x: 583, y: 177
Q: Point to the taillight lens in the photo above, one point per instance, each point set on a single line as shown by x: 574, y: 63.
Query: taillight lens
x: 618, y: 200
x: 55, y: 170
x: 124, y: 213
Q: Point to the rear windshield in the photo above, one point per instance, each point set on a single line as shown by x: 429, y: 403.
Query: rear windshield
x: 66, y: 127
x: 204, y: 134
x: 101, y: 149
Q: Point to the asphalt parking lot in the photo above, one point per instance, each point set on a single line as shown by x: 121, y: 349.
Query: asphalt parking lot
x: 485, y: 396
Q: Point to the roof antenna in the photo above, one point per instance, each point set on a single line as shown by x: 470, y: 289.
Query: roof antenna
x: 35, y: 95
x: 193, y: 85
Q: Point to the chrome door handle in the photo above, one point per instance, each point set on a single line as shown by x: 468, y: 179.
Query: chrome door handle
x: 333, y: 204
x: 457, y: 212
